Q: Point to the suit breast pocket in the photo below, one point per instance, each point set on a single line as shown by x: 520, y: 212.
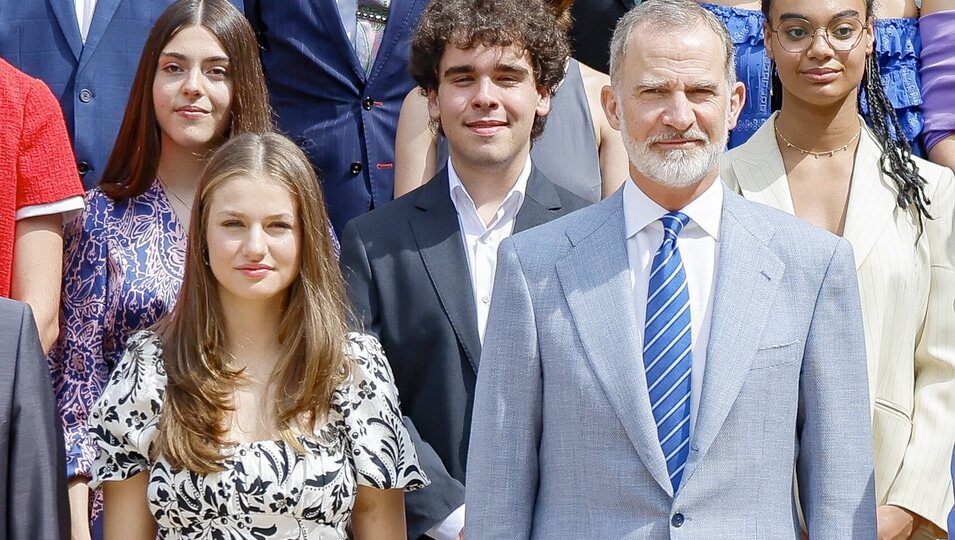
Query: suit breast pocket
x: 776, y: 356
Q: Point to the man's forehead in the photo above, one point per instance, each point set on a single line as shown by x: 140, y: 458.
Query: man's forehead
x: 480, y: 54
x: 687, y: 52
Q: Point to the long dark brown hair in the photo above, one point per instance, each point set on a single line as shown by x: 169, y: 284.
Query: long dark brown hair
x: 134, y: 161
x: 193, y: 429
x: 896, y: 160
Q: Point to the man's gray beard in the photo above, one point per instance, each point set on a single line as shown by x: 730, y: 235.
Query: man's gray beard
x: 675, y: 168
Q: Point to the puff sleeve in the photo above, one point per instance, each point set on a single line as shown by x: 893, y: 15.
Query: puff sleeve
x: 380, y: 446
x: 124, y: 421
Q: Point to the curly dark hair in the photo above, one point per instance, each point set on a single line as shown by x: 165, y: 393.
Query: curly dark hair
x: 464, y: 24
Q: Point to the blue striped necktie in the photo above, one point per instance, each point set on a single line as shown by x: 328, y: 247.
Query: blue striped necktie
x: 666, y: 348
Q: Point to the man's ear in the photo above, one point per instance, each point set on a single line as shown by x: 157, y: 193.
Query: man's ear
x: 737, y: 99
x: 543, y: 101
x: 608, y: 99
x: 434, y: 110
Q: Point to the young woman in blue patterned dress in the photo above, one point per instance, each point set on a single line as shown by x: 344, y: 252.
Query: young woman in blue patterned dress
x: 249, y: 412
x: 199, y: 81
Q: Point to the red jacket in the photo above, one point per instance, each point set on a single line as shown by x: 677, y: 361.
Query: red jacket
x: 36, y: 160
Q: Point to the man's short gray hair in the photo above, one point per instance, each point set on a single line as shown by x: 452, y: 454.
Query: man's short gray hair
x: 661, y: 15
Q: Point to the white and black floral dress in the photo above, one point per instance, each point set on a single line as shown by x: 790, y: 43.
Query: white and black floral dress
x: 266, y: 489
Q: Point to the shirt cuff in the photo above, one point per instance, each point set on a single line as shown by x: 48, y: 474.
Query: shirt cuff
x: 450, y: 527
x: 58, y: 207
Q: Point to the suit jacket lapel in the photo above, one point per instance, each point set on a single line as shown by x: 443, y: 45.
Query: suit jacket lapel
x: 595, y: 276
x: 746, y: 281
x: 65, y: 15
x: 400, y: 16
x: 331, y: 19
x: 871, y: 206
x: 541, y: 202
x: 760, y: 170
x: 102, y: 15
x: 438, y: 235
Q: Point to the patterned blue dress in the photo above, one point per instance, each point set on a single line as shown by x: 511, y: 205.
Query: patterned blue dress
x: 753, y: 68
x: 123, y: 265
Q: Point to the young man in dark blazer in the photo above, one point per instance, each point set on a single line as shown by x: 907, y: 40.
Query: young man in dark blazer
x: 420, y: 269
x: 32, y: 462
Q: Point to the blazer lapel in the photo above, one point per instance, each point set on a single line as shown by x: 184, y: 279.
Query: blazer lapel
x: 746, y: 281
x: 438, y: 235
x: 102, y: 15
x: 595, y: 276
x: 760, y: 170
x: 401, y: 15
x: 65, y: 15
x: 541, y: 202
x: 331, y: 19
x: 871, y: 206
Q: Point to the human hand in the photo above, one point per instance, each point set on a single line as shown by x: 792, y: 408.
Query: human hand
x: 895, y: 523
x: 461, y: 535
x: 79, y: 495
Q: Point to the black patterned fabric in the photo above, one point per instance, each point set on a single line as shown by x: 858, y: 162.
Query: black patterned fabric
x: 266, y: 489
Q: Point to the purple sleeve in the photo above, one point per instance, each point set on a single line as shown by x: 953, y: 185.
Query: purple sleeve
x: 938, y: 76
x: 77, y: 363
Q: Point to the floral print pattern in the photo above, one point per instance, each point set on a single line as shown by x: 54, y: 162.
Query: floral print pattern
x: 266, y: 489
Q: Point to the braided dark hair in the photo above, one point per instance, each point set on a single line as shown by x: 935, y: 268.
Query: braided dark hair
x: 896, y: 159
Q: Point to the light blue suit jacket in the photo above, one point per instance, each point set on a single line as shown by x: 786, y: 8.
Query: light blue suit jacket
x: 563, y: 441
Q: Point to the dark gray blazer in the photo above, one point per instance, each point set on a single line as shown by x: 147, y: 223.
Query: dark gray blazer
x: 408, y: 281
x: 33, y: 502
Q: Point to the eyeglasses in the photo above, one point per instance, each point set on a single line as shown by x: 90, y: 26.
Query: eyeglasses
x: 842, y: 34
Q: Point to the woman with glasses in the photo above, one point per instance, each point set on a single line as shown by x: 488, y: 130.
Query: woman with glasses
x: 816, y: 158
x: 897, y: 48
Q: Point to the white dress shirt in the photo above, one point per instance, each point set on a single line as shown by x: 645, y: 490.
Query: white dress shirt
x: 698, y: 249
x: 480, y: 242
x: 84, y: 15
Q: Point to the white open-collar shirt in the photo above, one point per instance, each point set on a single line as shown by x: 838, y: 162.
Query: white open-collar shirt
x: 482, y: 240
x: 698, y: 249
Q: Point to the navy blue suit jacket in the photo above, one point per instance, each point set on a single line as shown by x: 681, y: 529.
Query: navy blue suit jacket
x: 344, y: 120
x: 91, y: 80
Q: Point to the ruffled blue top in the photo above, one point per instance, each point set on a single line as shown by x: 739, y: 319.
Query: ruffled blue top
x: 753, y: 68
x: 897, y: 48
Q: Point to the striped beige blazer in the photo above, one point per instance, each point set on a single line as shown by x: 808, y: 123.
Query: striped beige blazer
x: 908, y: 303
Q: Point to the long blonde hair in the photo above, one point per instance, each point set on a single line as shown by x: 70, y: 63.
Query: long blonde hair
x: 199, y: 392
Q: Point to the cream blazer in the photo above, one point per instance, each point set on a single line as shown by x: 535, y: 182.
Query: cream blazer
x: 908, y: 304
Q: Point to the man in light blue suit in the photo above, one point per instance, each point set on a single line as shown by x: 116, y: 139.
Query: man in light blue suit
x: 86, y: 51
x: 668, y: 362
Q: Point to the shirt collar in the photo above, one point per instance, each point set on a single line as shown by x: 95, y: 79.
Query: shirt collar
x: 514, y: 198
x: 705, y: 211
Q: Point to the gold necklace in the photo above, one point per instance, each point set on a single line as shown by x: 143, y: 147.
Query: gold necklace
x: 817, y: 155
x: 169, y: 190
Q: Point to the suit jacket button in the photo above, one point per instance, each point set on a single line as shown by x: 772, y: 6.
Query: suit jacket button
x: 367, y: 104
x: 355, y: 167
x: 85, y: 95
x: 83, y: 168
x: 677, y: 520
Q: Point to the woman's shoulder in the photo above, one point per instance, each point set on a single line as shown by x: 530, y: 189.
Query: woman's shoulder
x: 143, y: 359
x: 938, y: 179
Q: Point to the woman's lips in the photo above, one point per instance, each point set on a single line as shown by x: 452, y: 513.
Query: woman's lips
x: 255, y: 271
x: 820, y: 75
x: 192, y: 113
